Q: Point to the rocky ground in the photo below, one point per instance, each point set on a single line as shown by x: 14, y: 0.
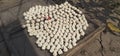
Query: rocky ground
x: 105, y: 44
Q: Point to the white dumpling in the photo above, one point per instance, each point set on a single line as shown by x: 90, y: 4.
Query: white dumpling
x: 56, y: 27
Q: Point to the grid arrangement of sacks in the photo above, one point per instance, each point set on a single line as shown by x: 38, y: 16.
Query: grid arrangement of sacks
x: 56, y: 27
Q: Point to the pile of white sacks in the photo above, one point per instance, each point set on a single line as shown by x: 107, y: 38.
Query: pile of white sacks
x: 56, y: 27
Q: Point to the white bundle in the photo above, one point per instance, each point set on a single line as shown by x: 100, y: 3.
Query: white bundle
x: 56, y: 27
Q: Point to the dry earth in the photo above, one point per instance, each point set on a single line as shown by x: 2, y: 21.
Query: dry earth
x: 105, y: 44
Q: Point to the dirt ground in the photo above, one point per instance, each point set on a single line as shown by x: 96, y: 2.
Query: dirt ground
x: 105, y: 44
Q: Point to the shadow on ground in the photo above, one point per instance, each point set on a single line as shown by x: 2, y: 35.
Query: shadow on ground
x: 15, y: 41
